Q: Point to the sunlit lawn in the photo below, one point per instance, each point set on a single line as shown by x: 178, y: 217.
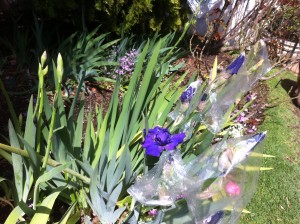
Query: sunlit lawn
x: 277, y: 199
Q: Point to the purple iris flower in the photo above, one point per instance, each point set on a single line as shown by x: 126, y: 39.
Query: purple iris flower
x: 255, y: 139
x: 159, y: 139
x: 215, y: 218
x: 188, y: 94
x: 234, y: 67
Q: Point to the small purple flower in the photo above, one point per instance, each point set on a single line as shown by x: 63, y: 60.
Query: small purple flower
x: 250, y: 97
x: 159, y: 139
x: 234, y: 67
x: 252, y: 130
x: 241, y: 118
x: 152, y: 212
x: 127, y: 63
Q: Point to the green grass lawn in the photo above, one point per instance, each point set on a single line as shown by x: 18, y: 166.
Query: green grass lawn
x: 277, y: 199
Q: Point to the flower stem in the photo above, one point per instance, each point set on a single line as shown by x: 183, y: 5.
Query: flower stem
x: 50, y: 162
x: 50, y: 136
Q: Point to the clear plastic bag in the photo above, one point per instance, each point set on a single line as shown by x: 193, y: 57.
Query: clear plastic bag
x: 164, y: 183
x: 224, y: 186
x: 215, y: 181
x: 185, y: 107
x: 222, y: 95
x: 201, y: 8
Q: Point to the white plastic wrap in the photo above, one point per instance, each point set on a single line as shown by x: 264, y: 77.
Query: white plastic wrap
x: 222, y: 96
x: 216, y: 185
x: 164, y: 183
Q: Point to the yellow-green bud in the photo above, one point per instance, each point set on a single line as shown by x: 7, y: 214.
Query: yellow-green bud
x: 60, y: 68
x: 45, y: 70
x: 43, y: 58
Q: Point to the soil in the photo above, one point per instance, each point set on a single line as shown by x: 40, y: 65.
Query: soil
x: 97, y: 95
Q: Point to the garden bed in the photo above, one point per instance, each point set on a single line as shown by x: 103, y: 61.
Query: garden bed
x: 97, y: 95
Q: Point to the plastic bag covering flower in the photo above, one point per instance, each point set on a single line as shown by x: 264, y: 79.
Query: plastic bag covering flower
x: 188, y: 94
x: 222, y: 96
x: 232, y: 180
x: 216, y: 185
x: 184, y: 109
x: 159, y: 139
x: 164, y: 183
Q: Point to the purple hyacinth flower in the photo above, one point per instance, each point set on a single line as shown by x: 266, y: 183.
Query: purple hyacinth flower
x: 159, y: 139
x: 215, y: 218
x: 234, y: 67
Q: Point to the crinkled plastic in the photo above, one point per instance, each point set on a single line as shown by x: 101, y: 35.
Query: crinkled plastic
x: 204, y: 6
x: 216, y: 185
x: 164, y: 183
x: 223, y: 93
x: 221, y: 158
x: 185, y: 107
x: 209, y: 194
x: 219, y: 183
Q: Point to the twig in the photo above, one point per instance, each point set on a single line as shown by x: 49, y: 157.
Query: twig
x: 272, y: 76
x: 283, y: 101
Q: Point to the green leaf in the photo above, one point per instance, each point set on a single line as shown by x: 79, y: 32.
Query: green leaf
x: 43, y: 211
x: 179, y: 214
x: 46, y: 177
x: 62, y: 145
x: 14, y: 216
x: 28, y: 211
x: 17, y: 161
x: 139, y: 106
x: 6, y: 156
x: 77, y: 136
x: 88, y: 147
x: 74, y: 218
x: 129, y: 98
x: 34, y: 161
x: 67, y: 215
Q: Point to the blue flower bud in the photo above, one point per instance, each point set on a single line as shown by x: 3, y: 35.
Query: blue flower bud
x: 234, y: 67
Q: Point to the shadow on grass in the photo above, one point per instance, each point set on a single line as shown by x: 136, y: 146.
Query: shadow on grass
x: 290, y: 86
